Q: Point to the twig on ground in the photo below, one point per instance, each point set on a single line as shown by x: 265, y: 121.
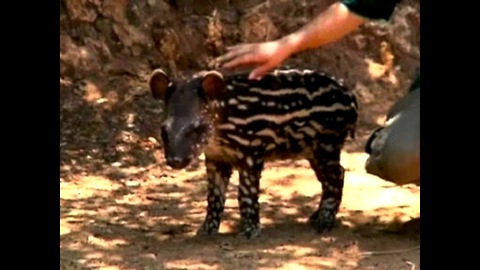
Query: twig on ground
x: 388, y: 252
x: 410, y: 263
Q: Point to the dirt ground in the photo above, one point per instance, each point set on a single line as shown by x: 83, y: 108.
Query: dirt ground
x: 148, y: 221
x: 121, y: 207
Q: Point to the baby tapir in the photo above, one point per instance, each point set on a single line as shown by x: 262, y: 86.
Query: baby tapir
x: 240, y: 124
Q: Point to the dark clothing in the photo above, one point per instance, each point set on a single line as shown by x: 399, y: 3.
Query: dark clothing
x: 395, y: 148
x: 372, y: 9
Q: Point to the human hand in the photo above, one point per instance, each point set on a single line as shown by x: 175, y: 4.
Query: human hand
x: 262, y: 56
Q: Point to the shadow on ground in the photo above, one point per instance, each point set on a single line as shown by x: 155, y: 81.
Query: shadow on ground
x: 149, y: 223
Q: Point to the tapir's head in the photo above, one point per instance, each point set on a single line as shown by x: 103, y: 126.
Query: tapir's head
x: 189, y: 117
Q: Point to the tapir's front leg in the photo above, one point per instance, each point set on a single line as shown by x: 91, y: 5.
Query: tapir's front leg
x: 248, y: 193
x: 218, y: 176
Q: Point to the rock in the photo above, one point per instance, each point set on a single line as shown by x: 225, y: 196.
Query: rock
x: 361, y: 41
x: 122, y: 67
x: 257, y: 27
x: 129, y: 35
x: 99, y: 47
x: 103, y: 26
x: 152, y: 3
x: 81, y: 10
x: 150, y: 256
x: 115, y: 10
x: 92, y: 92
x: 136, y: 50
x: 230, y: 16
x: 133, y: 13
x: 76, y: 60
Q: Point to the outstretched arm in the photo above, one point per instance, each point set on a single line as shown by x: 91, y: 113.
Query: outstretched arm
x: 336, y: 22
x: 327, y: 27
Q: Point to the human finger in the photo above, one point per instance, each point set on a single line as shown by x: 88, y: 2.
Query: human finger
x: 244, y: 60
x: 229, y: 56
x: 240, y: 46
x: 260, y: 71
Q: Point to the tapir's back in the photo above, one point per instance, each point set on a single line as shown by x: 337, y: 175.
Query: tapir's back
x: 285, y: 115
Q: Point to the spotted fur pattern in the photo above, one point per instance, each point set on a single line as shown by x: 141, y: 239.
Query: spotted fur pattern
x: 288, y: 114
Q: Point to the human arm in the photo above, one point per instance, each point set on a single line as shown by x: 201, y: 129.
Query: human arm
x: 329, y: 26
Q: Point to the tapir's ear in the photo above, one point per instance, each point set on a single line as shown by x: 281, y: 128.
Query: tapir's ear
x: 213, y: 84
x: 159, y: 82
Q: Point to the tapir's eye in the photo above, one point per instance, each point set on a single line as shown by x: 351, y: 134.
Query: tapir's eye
x: 196, y: 128
x: 193, y: 126
x: 201, y: 93
x: 196, y: 124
